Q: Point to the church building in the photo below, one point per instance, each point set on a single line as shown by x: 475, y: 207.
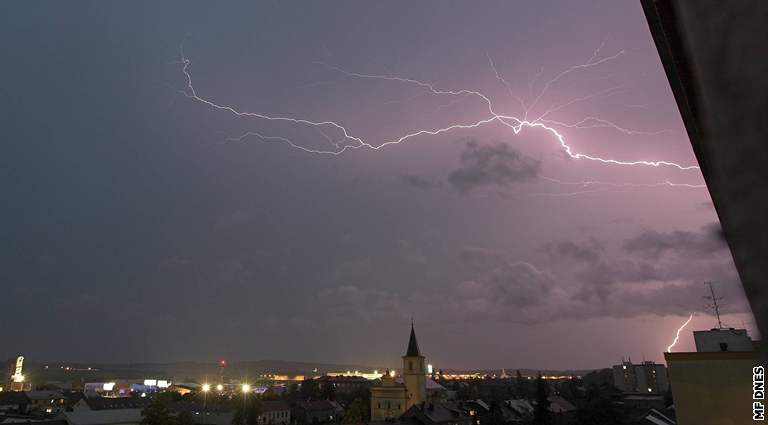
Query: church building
x: 394, y: 395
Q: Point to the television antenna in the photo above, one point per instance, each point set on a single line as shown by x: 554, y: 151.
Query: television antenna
x: 714, y: 304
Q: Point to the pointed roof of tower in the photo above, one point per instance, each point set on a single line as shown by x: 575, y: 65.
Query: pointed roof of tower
x: 413, y: 345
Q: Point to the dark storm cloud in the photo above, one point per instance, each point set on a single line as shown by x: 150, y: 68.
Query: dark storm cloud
x: 586, y: 251
x: 652, y: 244
x: 122, y: 197
x: 491, y: 285
x: 492, y: 165
x: 352, y: 302
x: 419, y: 182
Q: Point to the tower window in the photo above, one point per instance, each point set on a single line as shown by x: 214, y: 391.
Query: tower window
x: 410, y: 365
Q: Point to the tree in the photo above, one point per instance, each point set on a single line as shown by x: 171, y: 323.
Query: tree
x: 495, y: 414
x: 291, y: 392
x: 157, y: 413
x: 247, y: 413
x: 598, y: 410
x: 328, y: 391
x: 184, y: 418
x: 309, y: 389
x: 521, y: 385
x: 356, y: 412
x: 541, y: 414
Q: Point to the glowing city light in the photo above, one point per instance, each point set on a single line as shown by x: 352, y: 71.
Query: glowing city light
x: 246, y: 388
x: 219, y: 387
x: 206, y: 388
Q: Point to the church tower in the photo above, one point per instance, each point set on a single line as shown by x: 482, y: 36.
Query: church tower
x: 414, y: 373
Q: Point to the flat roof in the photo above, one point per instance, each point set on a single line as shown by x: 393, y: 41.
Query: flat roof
x: 712, y: 355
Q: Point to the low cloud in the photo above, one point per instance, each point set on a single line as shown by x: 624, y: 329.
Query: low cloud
x: 587, y: 251
x: 652, y: 244
x: 419, y: 182
x: 565, y: 280
x: 492, y: 165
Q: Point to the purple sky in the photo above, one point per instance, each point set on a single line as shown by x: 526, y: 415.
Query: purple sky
x: 138, y: 229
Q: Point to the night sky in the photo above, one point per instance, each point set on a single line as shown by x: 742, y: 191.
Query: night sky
x: 141, y: 224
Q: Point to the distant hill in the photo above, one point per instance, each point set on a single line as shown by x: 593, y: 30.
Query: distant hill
x: 529, y: 372
x: 179, y: 371
x: 199, y: 371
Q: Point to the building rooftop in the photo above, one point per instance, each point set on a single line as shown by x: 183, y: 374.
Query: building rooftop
x: 558, y: 404
x: 274, y: 406
x: 103, y: 417
x: 310, y: 405
x: 431, y: 384
x: 428, y: 413
x: 110, y: 403
x: 13, y: 397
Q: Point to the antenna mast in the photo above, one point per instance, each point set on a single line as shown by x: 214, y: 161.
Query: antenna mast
x: 714, y: 306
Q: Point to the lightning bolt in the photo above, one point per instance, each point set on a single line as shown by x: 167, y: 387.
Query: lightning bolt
x: 677, y: 335
x: 587, y: 183
x: 347, y: 141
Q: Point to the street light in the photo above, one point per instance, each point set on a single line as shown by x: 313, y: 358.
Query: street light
x: 219, y: 387
x: 246, y: 389
x: 206, y: 388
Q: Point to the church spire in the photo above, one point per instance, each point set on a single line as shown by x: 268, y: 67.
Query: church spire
x: 413, y: 345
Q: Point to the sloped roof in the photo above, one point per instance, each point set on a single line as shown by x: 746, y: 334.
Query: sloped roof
x: 558, y: 404
x: 111, y: 403
x: 520, y: 406
x: 13, y: 397
x: 316, y: 405
x: 430, y: 383
x: 44, y: 395
x: 655, y: 417
x: 23, y: 419
x: 274, y: 406
x: 434, y: 413
x: 104, y: 417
